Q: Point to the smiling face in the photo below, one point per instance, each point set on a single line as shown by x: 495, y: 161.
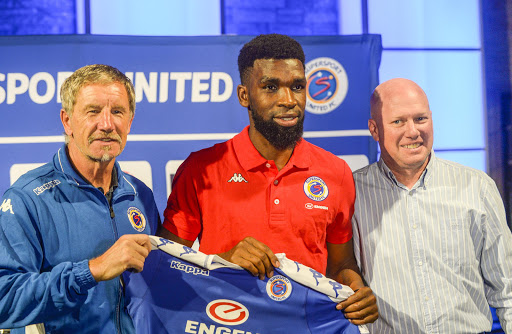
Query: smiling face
x: 275, y: 95
x: 402, y: 124
x: 99, y: 124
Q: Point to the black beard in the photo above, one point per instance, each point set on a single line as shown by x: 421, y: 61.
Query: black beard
x: 279, y: 136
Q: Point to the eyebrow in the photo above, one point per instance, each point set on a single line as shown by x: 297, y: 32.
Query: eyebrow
x: 97, y: 106
x: 273, y: 80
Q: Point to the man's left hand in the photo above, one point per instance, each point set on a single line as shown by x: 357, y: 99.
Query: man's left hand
x: 361, y: 307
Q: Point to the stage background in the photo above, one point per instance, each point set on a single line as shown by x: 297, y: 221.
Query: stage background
x: 186, y: 97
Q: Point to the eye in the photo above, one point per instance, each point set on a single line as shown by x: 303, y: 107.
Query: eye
x: 396, y: 121
x: 270, y: 87
x: 298, y: 87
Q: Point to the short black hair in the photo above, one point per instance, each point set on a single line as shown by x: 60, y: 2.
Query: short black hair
x: 271, y: 46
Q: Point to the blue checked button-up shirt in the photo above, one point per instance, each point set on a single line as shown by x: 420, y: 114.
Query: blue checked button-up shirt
x: 435, y: 255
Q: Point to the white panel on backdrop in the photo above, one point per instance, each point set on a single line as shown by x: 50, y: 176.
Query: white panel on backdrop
x: 155, y: 17
x: 350, y: 17
x: 355, y: 161
x: 170, y: 170
x: 426, y: 23
x: 453, y: 84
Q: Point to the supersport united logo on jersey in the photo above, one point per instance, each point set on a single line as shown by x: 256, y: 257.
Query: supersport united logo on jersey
x: 136, y: 218
x: 315, y: 188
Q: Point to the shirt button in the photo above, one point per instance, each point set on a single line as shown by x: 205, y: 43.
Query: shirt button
x: 268, y: 165
x: 427, y: 299
x: 420, y: 263
x: 276, y: 182
x: 414, y: 226
x: 276, y: 201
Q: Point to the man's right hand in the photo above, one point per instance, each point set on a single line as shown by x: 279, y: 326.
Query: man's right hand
x: 254, y: 256
x: 128, y: 252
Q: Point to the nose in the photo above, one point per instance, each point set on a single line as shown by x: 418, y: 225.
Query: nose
x: 286, y: 98
x: 412, y: 130
x: 105, y: 122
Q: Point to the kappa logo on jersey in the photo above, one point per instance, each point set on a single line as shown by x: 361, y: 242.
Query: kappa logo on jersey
x: 237, y: 178
x: 189, y: 269
x: 315, y: 189
x: 327, y: 85
x: 6, y: 206
x: 279, y: 288
x: 227, y: 312
x: 46, y: 186
x: 137, y: 219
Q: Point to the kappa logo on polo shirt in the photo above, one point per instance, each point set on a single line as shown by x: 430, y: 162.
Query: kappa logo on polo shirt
x: 237, y: 178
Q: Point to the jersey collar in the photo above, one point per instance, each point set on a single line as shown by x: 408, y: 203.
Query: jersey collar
x: 250, y: 158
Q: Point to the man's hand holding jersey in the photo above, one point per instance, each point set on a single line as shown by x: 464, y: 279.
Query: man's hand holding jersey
x: 127, y: 253
x: 254, y: 256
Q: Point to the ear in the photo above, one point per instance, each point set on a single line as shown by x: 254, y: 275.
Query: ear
x: 243, y: 95
x: 66, y: 122
x: 130, y: 125
x: 374, y: 130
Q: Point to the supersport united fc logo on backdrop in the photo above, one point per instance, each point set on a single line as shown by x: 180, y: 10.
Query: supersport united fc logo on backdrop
x: 327, y: 85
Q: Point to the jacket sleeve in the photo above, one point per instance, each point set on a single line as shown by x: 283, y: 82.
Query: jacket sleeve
x: 496, y: 257
x: 28, y: 295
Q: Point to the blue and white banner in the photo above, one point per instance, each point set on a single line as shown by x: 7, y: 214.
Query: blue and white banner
x: 186, y: 97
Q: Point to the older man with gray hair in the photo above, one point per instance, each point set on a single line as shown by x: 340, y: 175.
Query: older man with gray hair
x: 70, y: 228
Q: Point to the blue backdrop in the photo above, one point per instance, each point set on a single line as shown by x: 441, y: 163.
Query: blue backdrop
x: 186, y: 97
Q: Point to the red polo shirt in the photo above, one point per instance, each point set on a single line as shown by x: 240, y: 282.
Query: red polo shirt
x: 227, y: 192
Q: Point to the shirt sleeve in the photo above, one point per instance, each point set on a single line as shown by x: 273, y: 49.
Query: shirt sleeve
x: 340, y: 231
x: 28, y: 295
x: 182, y: 216
x: 496, y: 258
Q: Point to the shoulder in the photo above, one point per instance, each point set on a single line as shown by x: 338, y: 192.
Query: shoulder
x: 322, y: 156
x: 460, y: 171
x: 136, y: 183
x: 38, y: 179
x: 365, y: 171
x: 210, y: 156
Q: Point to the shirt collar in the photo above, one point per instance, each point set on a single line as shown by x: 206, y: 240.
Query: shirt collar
x: 63, y: 164
x: 424, y: 179
x: 250, y: 158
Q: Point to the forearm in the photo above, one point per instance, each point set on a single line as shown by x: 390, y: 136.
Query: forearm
x: 30, y: 297
x: 347, y: 274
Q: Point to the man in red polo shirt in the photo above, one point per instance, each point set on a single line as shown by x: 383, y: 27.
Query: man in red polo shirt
x: 267, y: 190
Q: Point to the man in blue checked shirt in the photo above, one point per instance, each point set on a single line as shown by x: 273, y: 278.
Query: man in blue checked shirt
x: 430, y: 235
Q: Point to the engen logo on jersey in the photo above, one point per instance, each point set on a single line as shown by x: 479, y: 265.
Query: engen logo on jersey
x: 327, y: 85
x: 315, y: 188
x: 227, y: 312
x: 137, y: 219
x: 279, y: 288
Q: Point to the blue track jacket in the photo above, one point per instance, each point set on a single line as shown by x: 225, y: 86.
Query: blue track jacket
x: 51, y: 223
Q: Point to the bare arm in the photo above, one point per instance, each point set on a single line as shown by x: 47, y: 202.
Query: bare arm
x: 361, y: 307
x: 165, y: 233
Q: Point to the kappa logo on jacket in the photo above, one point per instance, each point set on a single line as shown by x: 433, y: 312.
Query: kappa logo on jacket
x: 237, y: 178
x: 6, y: 206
